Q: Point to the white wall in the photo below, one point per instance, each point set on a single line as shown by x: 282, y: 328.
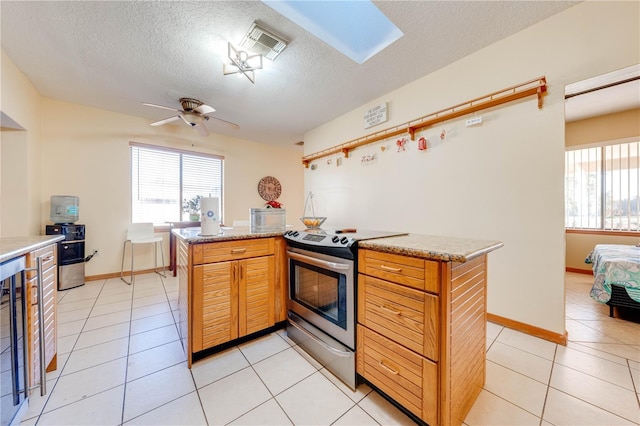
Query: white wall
x: 502, y: 180
x: 86, y: 153
x: 68, y: 149
x: 20, y: 152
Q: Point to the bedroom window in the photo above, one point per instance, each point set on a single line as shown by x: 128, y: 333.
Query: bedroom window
x: 161, y: 178
x: 602, y: 188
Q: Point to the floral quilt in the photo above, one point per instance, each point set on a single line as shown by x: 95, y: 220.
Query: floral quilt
x: 615, y: 264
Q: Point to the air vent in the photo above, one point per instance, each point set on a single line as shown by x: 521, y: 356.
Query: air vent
x: 260, y: 40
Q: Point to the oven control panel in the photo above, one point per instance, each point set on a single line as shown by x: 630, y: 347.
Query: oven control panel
x: 320, y: 238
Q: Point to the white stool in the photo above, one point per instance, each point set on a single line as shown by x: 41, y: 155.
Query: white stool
x: 142, y: 233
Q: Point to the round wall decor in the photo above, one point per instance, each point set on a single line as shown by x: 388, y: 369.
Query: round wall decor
x: 269, y: 188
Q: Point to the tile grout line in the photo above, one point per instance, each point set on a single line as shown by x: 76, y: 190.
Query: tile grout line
x: 170, y: 366
x: 546, y: 395
x: 164, y: 289
x: 195, y: 384
x: 267, y: 387
x: 126, y: 368
x: 57, y: 378
x: 636, y: 386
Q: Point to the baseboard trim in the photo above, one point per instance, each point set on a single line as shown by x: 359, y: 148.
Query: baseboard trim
x: 117, y: 274
x: 559, y: 338
x: 579, y: 271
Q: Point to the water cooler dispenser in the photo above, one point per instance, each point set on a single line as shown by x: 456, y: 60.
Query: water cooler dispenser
x: 64, y: 213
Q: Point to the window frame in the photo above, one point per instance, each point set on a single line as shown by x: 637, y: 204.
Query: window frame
x: 602, y: 194
x: 162, y: 227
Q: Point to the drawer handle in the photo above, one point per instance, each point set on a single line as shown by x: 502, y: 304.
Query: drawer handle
x: 238, y: 250
x: 392, y: 311
x: 390, y: 269
x: 389, y: 369
x: 47, y: 259
x: 36, y: 299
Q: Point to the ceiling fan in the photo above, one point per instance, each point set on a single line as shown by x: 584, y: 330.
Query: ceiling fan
x: 193, y: 112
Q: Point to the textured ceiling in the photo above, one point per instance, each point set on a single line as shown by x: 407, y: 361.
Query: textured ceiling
x: 115, y: 55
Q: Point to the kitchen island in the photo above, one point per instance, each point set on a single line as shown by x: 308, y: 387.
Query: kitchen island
x: 421, y: 310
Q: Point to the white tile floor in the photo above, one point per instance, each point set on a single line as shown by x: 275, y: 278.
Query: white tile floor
x: 120, y: 362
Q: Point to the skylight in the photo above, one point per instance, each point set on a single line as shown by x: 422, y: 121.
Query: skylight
x: 357, y: 29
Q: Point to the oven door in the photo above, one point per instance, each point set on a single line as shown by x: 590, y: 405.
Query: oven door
x: 321, y: 291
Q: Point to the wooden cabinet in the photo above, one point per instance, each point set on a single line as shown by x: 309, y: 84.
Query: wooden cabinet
x: 421, y: 332
x: 404, y: 375
x: 48, y: 306
x: 233, y: 285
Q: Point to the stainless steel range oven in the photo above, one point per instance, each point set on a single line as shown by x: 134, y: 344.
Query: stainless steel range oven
x: 322, y: 267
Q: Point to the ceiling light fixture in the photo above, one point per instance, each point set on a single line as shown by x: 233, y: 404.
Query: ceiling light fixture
x: 260, y: 40
x: 242, y: 63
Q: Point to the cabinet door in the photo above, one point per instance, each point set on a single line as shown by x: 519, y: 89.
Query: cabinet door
x: 48, y: 306
x: 33, y: 334
x: 49, y: 288
x: 215, y: 304
x: 257, y: 294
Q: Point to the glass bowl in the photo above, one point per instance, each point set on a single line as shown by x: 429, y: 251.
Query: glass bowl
x: 312, y: 222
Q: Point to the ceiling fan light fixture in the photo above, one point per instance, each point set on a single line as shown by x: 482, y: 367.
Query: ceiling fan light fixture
x: 242, y: 63
x: 192, y: 119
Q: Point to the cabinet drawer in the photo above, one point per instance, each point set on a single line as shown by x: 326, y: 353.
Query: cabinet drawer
x: 408, y: 316
x: 410, y: 271
x: 402, y: 374
x: 232, y: 250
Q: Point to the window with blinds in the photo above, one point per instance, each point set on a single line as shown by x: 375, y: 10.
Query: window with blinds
x: 162, y: 178
x: 602, y: 188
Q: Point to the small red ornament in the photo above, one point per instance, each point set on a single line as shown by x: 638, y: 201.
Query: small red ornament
x: 422, y: 144
x: 273, y: 204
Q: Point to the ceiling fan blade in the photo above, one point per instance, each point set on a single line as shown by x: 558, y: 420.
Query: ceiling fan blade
x: 204, y: 109
x: 202, y: 129
x: 166, y: 120
x: 163, y: 107
x: 228, y: 123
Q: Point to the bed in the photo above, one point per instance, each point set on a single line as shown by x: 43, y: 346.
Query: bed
x: 616, y: 269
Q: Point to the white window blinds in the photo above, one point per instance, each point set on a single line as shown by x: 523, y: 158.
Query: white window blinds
x: 162, y: 178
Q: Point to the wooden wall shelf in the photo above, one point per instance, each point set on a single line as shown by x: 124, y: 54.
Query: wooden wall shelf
x: 536, y: 87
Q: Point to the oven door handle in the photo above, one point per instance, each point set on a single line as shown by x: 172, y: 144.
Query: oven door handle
x: 335, y: 351
x: 319, y: 262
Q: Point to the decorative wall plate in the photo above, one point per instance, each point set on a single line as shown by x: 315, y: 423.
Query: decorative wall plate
x: 269, y: 188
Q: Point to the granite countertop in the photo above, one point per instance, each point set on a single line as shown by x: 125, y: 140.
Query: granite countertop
x: 432, y: 247
x: 12, y: 247
x: 192, y: 235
